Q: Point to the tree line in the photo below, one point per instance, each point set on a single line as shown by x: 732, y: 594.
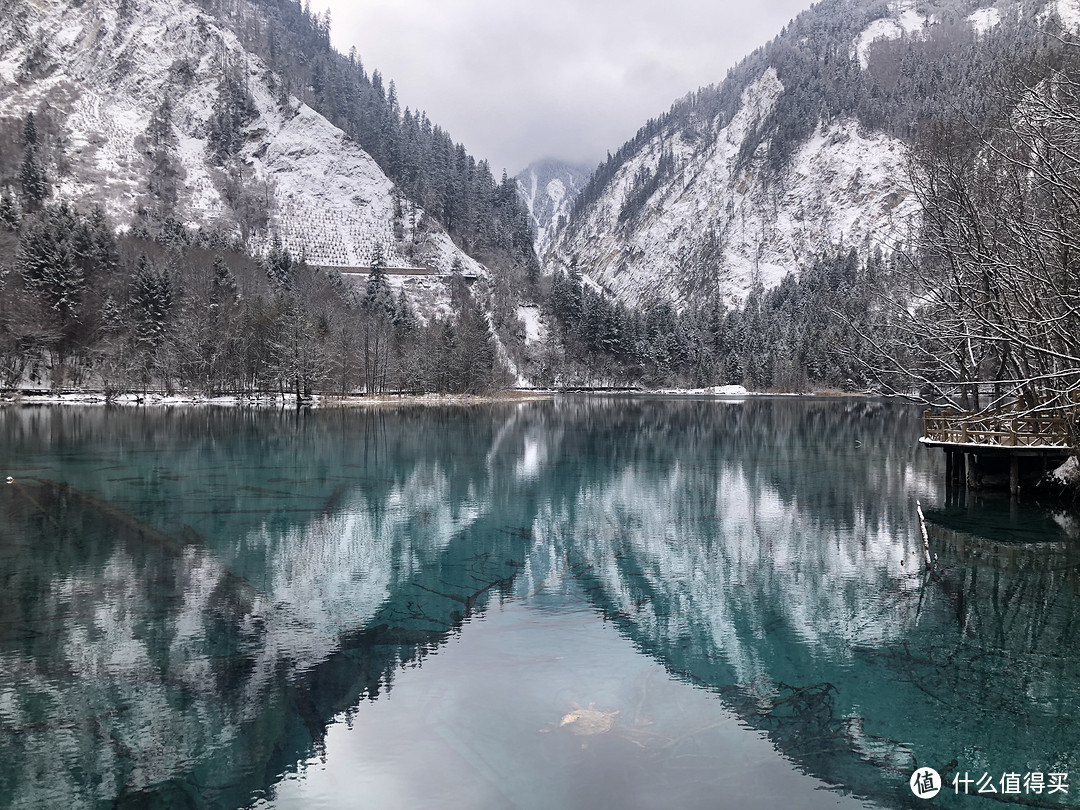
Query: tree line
x: 804, y: 334
x: 183, y: 311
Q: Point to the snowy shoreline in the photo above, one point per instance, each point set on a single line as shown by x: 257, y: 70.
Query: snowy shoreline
x: 263, y: 401
x: 728, y: 392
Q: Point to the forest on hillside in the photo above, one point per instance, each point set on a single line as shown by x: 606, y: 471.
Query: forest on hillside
x: 83, y: 308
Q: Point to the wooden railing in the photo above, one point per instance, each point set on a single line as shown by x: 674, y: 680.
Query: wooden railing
x: 1001, y: 429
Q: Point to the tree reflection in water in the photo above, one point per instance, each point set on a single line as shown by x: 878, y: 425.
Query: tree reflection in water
x: 193, y: 597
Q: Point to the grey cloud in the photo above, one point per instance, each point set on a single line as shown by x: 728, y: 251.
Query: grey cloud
x: 565, y: 78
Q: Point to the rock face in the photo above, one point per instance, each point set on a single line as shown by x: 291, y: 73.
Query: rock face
x: 549, y: 188
x: 101, y: 73
x: 801, y: 151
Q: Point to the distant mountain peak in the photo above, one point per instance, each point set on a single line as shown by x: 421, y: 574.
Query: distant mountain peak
x: 549, y: 187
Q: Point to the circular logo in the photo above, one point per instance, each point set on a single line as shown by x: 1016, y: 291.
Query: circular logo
x: 925, y: 783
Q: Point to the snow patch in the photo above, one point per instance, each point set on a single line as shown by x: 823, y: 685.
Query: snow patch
x: 1068, y: 12
x: 1068, y: 473
x: 535, y: 330
x: 710, y: 391
x: 984, y: 19
x: 556, y: 191
x: 1069, y: 524
x: 903, y: 19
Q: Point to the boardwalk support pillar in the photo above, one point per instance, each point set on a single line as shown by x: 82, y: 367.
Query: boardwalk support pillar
x: 1014, y: 475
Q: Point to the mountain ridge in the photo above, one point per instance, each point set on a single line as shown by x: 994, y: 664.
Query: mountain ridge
x: 800, y: 152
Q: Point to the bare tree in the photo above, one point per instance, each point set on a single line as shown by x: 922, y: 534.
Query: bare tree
x: 988, y: 311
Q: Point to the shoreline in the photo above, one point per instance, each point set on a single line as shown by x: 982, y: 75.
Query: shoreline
x: 507, y: 396
x: 100, y: 399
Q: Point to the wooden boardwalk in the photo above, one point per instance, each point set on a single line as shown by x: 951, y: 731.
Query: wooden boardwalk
x: 364, y: 272
x: 980, y: 446
x: 1001, y: 430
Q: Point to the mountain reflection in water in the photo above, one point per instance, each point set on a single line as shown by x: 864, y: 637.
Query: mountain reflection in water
x: 195, y: 600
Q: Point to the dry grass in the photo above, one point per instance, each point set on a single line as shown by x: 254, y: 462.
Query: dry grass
x: 836, y: 392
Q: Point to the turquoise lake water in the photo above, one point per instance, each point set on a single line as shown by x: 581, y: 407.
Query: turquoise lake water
x: 586, y: 603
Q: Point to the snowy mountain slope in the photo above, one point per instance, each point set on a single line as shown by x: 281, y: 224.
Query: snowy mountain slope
x: 801, y: 151
x: 549, y: 188
x: 724, y: 226
x: 100, y: 70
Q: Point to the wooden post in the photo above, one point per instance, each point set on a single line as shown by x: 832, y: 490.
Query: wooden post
x: 972, y: 478
x: 1014, y: 475
x: 925, y: 537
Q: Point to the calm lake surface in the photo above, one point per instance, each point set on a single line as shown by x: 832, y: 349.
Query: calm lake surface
x: 586, y: 603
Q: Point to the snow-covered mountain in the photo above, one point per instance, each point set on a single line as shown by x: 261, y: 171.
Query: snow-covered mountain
x: 101, y: 71
x: 801, y: 151
x: 724, y: 224
x: 549, y: 188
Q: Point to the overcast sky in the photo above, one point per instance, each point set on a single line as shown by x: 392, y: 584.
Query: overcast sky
x: 517, y: 81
